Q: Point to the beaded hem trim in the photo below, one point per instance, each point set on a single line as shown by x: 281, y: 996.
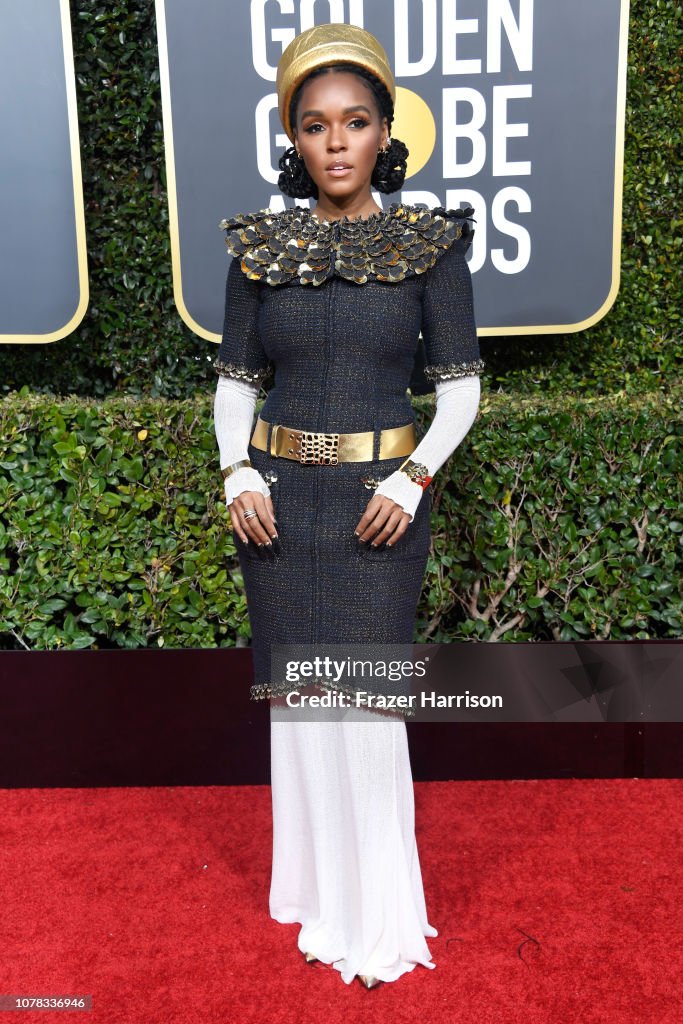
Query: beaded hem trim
x: 448, y: 371
x: 262, y: 691
x: 241, y: 372
x: 390, y: 245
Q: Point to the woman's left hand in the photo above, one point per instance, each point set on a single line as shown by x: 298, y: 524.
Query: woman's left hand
x: 383, y: 520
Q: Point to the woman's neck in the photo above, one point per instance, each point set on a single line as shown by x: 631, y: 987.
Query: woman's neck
x: 361, y: 212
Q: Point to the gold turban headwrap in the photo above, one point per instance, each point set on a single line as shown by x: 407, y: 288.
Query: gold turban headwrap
x: 328, y: 44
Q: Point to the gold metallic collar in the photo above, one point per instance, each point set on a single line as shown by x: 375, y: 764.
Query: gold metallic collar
x: 389, y: 245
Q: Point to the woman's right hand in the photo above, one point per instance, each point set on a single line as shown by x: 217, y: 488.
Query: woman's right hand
x: 260, y: 528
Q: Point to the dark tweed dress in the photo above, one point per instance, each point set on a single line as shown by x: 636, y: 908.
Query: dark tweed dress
x: 335, y: 310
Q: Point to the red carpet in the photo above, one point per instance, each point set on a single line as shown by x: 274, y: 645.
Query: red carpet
x: 556, y: 901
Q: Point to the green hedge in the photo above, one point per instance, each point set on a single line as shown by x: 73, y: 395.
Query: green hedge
x: 133, y: 341
x: 554, y: 519
x: 557, y: 518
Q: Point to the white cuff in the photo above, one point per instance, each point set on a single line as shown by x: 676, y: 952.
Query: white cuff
x: 401, y: 489
x: 245, y: 479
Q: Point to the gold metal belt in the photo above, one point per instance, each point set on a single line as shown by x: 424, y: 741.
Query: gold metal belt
x: 319, y: 448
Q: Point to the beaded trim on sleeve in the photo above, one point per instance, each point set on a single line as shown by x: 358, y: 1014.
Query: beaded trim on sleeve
x: 241, y: 372
x: 449, y: 371
x: 389, y: 245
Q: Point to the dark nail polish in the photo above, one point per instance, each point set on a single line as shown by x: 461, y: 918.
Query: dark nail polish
x: 276, y: 546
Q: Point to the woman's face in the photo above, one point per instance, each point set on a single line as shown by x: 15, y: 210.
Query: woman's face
x: 338, y: 125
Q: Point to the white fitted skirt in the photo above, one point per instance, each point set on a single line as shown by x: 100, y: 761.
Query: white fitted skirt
x: 345, y: 860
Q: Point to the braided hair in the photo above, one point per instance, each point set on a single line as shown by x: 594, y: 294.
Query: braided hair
x: 390, y: 167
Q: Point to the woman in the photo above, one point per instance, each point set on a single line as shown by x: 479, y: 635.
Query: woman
x: 333, y: 299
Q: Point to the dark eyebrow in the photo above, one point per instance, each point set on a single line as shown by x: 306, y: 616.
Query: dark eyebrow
x: 346, y: 110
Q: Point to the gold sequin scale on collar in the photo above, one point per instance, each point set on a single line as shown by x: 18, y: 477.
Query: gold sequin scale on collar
x: 390, y: 245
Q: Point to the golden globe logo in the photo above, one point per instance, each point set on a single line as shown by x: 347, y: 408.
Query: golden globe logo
x: 489, y: 104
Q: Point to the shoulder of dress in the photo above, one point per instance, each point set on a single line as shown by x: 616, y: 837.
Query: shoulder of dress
x: 255, y: 238
x: 245, y: 219
x: 460, y: 222
x: 293, y: 245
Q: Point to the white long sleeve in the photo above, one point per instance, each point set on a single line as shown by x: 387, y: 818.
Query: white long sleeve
x: 457, y: 402
x: 233, y: 414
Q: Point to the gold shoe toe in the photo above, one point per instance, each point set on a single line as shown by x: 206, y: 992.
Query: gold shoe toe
x: 369, y: 980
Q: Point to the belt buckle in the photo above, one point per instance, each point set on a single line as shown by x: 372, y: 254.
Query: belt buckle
x: 315, y: 447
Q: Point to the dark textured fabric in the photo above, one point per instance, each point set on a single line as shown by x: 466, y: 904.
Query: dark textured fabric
x: 343, y: 355
x: 324, y: 587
